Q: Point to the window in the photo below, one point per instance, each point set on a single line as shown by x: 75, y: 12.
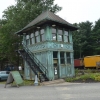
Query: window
x: 37, y: 37
x: 60, y: 35
x: 27, y: 40
x: 32, y: 38
x: 54, y: 34
x: 55, y: 54
x: 62, y: 60
x: 66, y: 36
x: 68, y: 58
x: 42, y: 35
x: 55, y: 58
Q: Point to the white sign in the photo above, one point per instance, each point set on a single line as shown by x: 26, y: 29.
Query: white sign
x: 55, y: 71
x: 20, y: 68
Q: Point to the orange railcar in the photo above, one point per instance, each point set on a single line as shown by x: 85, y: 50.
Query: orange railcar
x: 92, y: 61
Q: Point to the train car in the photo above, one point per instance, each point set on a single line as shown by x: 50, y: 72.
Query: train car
x: 78, y: 63
x: 92, y: 61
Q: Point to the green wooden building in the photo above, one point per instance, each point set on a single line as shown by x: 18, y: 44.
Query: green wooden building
x: 48, y: 47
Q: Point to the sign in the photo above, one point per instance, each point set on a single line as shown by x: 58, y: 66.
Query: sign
x: 20, y: 68
x: 55, y: 71
x: 14, y: 76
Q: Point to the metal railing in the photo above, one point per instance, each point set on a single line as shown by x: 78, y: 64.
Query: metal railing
x: 36, y: 61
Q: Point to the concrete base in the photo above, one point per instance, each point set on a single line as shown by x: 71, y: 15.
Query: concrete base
x: 36, y: 81
x: 53, y: 82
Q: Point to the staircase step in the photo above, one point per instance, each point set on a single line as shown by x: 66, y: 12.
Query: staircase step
x: 53, y: 82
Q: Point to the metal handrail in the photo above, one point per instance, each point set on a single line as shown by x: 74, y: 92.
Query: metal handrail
x: 44, y: 70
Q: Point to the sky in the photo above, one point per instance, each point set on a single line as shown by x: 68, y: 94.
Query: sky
x: 73, y: 11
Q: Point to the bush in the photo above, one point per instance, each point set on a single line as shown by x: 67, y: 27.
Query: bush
x: 85, y: 78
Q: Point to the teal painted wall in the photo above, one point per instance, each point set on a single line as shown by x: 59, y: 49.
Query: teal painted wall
x: 44, y: 52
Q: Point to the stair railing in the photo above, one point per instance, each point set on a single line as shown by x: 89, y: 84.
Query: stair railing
x: 32, y: 55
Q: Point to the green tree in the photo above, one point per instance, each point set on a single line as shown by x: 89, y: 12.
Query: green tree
x: 15, y: 18
x: 96, y: 37
x: 82, y: 39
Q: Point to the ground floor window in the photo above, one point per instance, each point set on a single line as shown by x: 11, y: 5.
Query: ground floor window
x: 62, y: 59
x: 68, y: 57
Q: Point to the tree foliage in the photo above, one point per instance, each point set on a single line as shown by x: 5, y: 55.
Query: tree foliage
x: 86, y: 39
x: 16, y: 17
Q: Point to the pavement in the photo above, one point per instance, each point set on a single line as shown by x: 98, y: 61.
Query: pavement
x: 60, y: 91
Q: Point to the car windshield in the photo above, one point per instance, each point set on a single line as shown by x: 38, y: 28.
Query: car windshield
x: 3, y: 72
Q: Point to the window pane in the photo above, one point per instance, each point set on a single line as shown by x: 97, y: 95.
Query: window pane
x: 62, y: 54
x: 60, y: 32
x: 42, y: 31
x: 30, y: 40
x: 66, y: 36
x: 62, y: 60
x: 38, y: 38
x: 55, y: 54
x: 31, y: 35
x: 27, y: 36
x: 66, y: 39
x: 53, y: 30
x: 33, y: 41
x: 68, y: 58
x: 54, y: 36
x: 66, y: 33
x: 43, y: 37
x: 60, y: 35
x: 27, y: 42
x: 36, y: 33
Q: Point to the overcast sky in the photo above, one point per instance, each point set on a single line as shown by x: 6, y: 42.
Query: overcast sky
x: 74, y: 11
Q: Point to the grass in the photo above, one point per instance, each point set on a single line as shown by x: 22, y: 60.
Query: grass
x: 25, y: 83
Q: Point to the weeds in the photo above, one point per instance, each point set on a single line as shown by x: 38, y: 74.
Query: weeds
x: 87, y: 76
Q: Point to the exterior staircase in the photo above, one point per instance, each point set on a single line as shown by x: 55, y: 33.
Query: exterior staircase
x: 34, y: 63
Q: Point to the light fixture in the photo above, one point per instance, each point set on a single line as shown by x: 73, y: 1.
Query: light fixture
x: 53, y: 25
x: 61, y: 45
x: 24, y: 33
x: 38, y: 27
x: 18, y: 35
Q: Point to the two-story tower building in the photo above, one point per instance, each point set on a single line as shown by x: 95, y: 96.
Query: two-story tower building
x: 48, y: 47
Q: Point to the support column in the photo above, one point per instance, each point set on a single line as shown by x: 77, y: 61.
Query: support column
x: 50, y: 65
x: 59, y: 64
x: 72, y: 64
x: 65, y: 63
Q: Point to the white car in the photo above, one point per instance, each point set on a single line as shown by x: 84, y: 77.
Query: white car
x: 3, y: 75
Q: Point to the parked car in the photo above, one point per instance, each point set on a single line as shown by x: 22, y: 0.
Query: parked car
x: 4, y: 75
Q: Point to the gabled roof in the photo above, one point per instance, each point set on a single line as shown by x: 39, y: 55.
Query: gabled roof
x: 48, y: 17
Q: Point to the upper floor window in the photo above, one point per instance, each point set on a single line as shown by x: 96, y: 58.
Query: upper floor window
x: 37, y: 37
x: 42, y: 35
x: 60, y: 35
x: 54, y: 34
x: 27, y: 40
x: 66, y: 36
x: 68, y: 58
x: 31, y: 38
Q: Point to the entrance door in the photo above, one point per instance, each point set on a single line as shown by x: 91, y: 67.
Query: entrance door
x: 56, y: 69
